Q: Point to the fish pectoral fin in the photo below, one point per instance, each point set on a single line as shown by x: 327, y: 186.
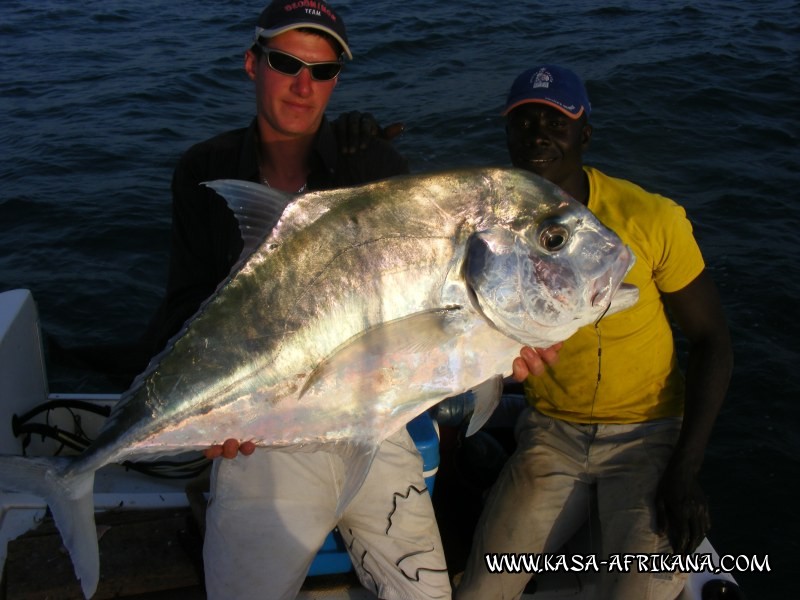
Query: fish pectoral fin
x: 390, y: 349
x: 357, y: 460
x: 487, y: 397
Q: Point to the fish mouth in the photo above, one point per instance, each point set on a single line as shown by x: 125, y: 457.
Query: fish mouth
x: 603, y: 292
x: 609, y: 293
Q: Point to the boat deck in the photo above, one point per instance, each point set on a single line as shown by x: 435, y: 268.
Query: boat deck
x: 142, y: 552
x: 145, y: 555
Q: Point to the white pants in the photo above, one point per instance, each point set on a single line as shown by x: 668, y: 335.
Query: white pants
x: 544, y: 494
x: 270, y: 512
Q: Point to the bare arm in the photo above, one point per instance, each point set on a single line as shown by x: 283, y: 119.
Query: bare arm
x: 680, y: 502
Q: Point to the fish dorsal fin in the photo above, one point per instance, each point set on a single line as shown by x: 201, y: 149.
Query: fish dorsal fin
x: 487, y: 397
x: 266, y: 213
x: 256, y: 207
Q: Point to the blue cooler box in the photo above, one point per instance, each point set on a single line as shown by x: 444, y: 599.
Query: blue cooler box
x: 333, y: 557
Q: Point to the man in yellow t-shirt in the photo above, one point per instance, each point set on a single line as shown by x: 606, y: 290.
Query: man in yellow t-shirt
x: 612, y: 421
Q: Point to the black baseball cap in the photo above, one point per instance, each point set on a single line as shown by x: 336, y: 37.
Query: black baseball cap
x: 284, y: 15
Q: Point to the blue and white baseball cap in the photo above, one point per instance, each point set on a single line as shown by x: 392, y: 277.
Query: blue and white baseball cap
x: 552, y: 85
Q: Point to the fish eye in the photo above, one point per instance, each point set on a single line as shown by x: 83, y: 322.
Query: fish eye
x: 553, y: 237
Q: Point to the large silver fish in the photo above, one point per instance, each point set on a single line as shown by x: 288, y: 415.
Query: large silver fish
x: 363, y: 308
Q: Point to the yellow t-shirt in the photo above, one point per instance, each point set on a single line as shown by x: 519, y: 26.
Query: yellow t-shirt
x: 624, y: 370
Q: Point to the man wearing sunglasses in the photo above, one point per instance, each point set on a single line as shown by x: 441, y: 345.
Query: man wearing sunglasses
x: 270, y: 512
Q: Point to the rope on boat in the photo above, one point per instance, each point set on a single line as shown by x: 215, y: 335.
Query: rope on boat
x: 78, y: 440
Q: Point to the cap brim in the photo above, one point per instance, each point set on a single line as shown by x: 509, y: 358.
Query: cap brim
x: 268, y: 33
x: 514, y: 105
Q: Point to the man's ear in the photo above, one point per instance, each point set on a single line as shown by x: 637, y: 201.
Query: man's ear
x: 250, y: 63
x: 586, y: 136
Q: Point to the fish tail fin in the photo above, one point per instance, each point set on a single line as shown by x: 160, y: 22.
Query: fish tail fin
x: 71, y: 501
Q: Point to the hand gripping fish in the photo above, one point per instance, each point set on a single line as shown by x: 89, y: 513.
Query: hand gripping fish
x: 349, y: 313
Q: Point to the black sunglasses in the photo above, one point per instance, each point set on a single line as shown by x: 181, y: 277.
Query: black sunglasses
x: 291, y: 65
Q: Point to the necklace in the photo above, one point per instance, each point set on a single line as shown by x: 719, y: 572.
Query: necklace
x: 300, y: 191
x: 263, y: 177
